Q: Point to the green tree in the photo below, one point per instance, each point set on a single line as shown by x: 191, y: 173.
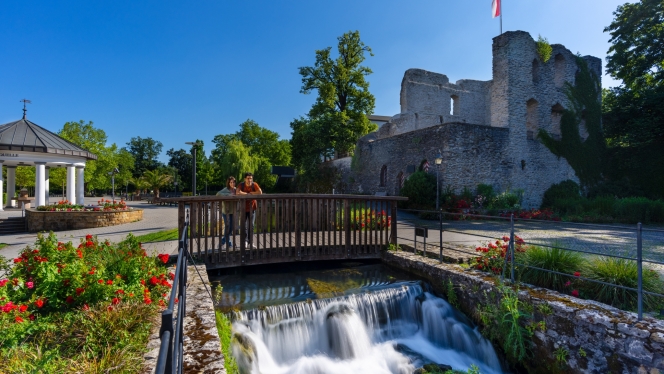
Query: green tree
x: 265, y: 147
x: 237, y: 160
x: 180, y: 161
x: 633, y: 114
x: 156, y: 180
x: 586, y: 157
x: 636, y: 55
x: 145, y: 152
x: 25, y: 176
x: 343, y: 101
x: 92, y: 139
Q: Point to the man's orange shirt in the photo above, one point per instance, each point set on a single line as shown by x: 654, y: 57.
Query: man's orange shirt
x: 250, y: 204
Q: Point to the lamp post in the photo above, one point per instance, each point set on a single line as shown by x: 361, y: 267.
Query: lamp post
x: 439, y: 161
x: 112, y: 174
x: 193, y: 177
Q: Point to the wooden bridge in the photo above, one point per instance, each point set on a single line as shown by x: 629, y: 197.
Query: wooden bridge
x: 289, y: 227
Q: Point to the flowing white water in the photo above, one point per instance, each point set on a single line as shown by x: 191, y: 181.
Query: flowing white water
x: 392, y: 330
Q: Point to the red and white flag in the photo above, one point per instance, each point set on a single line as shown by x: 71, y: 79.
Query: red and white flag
x: 495, y: 8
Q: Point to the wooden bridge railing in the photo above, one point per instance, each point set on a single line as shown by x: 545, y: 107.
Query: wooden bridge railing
x: 289, y: 227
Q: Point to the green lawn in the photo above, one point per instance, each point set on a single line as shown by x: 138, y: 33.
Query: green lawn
x: 2, y: 245
x: 159, y: 236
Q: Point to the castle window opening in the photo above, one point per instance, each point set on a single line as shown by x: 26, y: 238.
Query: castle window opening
x: 383, y: 176
x: 454, y: 105
x: 531, y: 119
x: 559, y: 70
x: 535, y: 71
x: 556, y: 116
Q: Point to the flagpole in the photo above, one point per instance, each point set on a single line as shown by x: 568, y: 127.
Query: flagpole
x: 500, y: 6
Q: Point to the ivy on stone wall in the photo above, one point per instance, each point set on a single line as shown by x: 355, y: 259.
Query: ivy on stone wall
x: 584, y: 156
x: 543, y: 48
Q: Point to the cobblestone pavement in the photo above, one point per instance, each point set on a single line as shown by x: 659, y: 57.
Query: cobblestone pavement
x: 617, y: 240
x: 155, y: 218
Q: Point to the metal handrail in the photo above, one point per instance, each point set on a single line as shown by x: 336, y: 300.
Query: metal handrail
x: 172, y: 338
x: 509, y: 256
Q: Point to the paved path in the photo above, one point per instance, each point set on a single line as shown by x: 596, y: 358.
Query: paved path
x: 155, y: 218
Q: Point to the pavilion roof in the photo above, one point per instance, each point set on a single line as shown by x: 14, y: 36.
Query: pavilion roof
x: 27, y: 136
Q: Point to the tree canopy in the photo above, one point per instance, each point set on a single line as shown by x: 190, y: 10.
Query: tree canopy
x: 86, y: 136
x: 145, y: 152
x: 633, y: 114
x: 339, y: 116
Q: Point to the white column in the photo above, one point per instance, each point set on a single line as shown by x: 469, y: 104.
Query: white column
x: 1, y: 187
x: 11, y: 184
x: 47, y: 185
x: 80, y: 186
x: 40, y: 178
x: 70, y: 184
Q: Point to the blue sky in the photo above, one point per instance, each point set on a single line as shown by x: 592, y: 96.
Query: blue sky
x: 178, y: 71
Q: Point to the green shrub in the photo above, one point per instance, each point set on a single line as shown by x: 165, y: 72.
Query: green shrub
x: 225, y: 332
x: 624, y: 273
x: 602, y: 205
x: 565, y: 189
x: 555, y: 259
x: 420, y: 188
x: 507, y: 200
x: 639, y: 209
x: 486, y: 190
x: 567, y: 206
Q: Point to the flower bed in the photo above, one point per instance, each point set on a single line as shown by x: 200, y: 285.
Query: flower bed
x: 83, y: 218
x: 102, y: 206
x: 87, y: 305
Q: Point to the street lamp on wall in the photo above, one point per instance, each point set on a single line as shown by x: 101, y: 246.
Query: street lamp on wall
x: 438, y: 161
x: 193, y: 177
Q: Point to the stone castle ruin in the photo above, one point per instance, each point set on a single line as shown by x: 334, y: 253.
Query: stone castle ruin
x: 486, y: 131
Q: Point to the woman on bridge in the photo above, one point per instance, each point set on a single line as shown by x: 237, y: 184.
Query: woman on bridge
x: 227, y: 211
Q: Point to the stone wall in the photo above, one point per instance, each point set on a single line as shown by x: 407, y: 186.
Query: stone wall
x: 472, y: 154
x: 59, y: 221
x: 613, y: 340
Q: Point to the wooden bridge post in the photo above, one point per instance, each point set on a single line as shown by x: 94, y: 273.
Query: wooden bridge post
x: 347, y: 226
x: 298, y: 227
x: 393, y: 234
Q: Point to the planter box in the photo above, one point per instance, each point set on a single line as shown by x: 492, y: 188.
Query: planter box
x: 60, y: 221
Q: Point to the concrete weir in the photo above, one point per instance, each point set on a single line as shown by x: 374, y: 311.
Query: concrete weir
x: 597, y: 338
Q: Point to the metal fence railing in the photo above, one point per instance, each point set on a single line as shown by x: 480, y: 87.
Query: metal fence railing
x: 614, y: 241
x: 171, y: 331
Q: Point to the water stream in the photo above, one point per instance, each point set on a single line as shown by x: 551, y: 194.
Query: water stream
x: 360, y: 319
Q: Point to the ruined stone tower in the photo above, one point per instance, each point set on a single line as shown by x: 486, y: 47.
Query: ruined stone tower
x: 486, y: 130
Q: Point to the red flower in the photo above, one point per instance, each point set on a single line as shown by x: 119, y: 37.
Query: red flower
x: 163, y: 258
x: 32, y: 317
x: 18, y: 319
x: 101, y: 281
x: 39, y: 303
x: 79, y: 253
x: 89, y: 244
x: 119, y: 292
x: 88, y: 237
x: 577, y: 274
x: 171, y: 276
x: 79, y: 291
x: 22, y: 308
x: 115, y: 301
x: 17, y: 260
x: 110, y: 308
x: 86, y: 307
x: 143, y: 282
x: 154, y: 281
x: 575, y: 293
x: 69, y: 300
x: 109, y: 282
x: 147, y: 300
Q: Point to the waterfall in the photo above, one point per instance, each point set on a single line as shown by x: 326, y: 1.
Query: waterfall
x: 390, y: 330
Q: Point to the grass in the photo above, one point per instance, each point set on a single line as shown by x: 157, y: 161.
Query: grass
x: 624, y: 273
x: 225, y: 333
x: 3, y: 245
x: 96, y: 341
x: 555, y: 259
x: 159, y: 236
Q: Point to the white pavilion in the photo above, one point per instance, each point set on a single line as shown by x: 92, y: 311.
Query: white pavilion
x: 24, y: 143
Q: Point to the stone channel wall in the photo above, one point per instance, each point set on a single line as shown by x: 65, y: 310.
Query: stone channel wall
x: 59, y: 221
x: 597, y: 337
x: 202, y: 347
